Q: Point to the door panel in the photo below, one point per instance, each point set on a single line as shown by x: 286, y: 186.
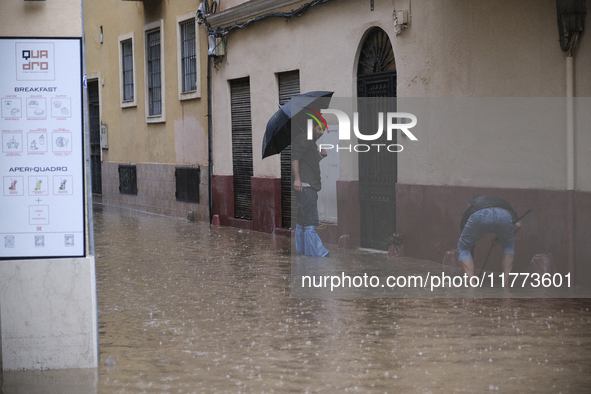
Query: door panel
x: 377, y: 169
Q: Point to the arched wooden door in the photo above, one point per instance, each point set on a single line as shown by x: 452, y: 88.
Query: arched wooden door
x: 378, y: 172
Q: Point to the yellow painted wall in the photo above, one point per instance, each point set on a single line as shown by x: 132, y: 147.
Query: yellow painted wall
x: 182, y: 138
x: 55, y: 18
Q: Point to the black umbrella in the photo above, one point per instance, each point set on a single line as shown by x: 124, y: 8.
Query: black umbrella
x: 278, y: 133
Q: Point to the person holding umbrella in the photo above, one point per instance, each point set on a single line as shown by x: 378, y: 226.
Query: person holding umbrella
x: 305, y: 161
x: 488, y: 214
x: 305, y: 167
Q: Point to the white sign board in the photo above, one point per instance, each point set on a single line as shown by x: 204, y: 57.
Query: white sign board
x: 42, y: 156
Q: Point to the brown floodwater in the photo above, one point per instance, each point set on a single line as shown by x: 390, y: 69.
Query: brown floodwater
x: 188, y: 308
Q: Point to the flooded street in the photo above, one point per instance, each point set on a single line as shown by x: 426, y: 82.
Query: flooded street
x: 185, y: 308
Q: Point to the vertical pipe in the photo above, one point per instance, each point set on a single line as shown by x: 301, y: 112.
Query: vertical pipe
x: 209, y: 147
x: 570, y: 163
x: 570, y: 123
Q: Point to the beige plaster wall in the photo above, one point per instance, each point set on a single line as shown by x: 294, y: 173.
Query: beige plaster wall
x: 502, y: 142
x: 321, y: 48
x: 453, y: 48
x: 182, y: 138
x: 479, y: 49
x: 583, y: 144
x: 56, y: 18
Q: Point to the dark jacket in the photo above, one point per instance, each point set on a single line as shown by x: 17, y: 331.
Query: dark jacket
x: 306, y: 153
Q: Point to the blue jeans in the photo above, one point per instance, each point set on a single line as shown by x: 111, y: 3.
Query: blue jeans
x: 488, y: 220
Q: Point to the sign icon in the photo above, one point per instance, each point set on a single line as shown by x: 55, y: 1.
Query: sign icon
x: 36, y: 141
x: 62, y: 142
x: 38, y: 186
x: 63, y: 185
x: 39, y: 241
x: 13, y: 186
x: 9, y: 241
x: 12, y: 143
x: 60, y: 107
x: 36, y: 108
x: 11, y: 108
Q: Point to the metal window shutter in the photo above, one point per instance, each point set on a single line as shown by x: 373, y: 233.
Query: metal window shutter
x: 289, y: 86
x: 187, y: 184
x: 241, y: 146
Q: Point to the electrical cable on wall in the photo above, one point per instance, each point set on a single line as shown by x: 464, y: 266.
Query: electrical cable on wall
x: 287, y: 15
x: 571, y: 23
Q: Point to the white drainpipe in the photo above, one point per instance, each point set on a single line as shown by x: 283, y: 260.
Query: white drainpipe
x: 570, y: 163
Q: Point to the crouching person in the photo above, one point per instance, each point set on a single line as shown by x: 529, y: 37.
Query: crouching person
x: 488, y: 214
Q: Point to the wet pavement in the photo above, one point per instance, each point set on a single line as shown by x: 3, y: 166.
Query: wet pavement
x: 188, y: 308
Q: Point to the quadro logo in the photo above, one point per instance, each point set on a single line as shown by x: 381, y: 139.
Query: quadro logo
x: 35, y: 61
x: 345, y: 129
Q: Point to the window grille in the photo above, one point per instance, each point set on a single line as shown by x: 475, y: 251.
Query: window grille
x: 127, y: 179
x: 127, y: 65
x: 154, y: 74
x: 188, y: 56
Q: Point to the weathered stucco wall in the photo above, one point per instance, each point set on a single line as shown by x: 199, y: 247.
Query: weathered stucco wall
x: 505, y: 142
x: 182, y: 138
x: 583, y: 144
x: 56, y: 18
x: 454, y: 48
x: 478, y: 49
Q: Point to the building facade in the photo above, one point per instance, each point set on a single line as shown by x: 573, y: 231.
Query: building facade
x: 444, y: 51
x: 147, y: 106
x: 436, y: 58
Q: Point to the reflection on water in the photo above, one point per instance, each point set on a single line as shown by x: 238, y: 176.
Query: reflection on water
x: 187, y: 308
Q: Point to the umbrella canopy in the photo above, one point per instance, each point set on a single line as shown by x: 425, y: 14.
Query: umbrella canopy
x: 278, y: 133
